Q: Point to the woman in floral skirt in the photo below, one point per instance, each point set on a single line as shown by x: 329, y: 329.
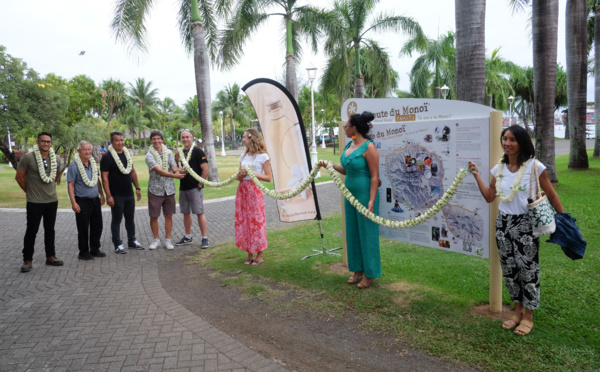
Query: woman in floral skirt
x: 517, y: 248
x: 250, y: 220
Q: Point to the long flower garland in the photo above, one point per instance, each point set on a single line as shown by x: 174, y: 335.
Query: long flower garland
x: 515, y: 186
x: 164, y: 160
x: 186, y: 165
x: 40, y: 164
x: 441, y: 203
x: 118, y: 161
x: 288, y: 195
x: 94, y: 181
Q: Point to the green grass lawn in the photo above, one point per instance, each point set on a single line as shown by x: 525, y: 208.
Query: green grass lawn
x: 13, y: 197
x: 426, y: 296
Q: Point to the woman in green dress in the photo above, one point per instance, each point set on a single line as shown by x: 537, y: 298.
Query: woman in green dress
x: 360, y: 164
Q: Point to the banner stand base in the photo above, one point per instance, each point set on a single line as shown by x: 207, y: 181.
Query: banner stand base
x: 324, y: 251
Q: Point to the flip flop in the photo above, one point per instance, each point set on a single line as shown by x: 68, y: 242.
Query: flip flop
x: 248, y: 261
x: 511, y: 323
x: 524, y: 328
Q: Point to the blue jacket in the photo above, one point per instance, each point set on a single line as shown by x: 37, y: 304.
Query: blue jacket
x: 568, y: 236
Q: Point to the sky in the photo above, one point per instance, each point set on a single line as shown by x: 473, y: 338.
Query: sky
x: 49, y: 36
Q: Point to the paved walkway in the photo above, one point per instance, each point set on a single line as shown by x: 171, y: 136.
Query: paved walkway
x: 111, y: 314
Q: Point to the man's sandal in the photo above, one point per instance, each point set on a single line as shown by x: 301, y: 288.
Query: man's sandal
x: 524, y: 328
x: 511, y: 323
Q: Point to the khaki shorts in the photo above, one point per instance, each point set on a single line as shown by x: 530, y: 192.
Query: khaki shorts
x: 166, y: 202
x: 191, y: 201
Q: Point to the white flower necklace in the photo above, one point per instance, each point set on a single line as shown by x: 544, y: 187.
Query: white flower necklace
x: 164, y: 159
x: 515, y: 186
x: 183, y: 160
x: 118, y: 160
x: 40, y: 164
x: 83, y: 174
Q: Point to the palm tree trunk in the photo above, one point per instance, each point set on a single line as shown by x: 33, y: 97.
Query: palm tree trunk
x: 545, y: 36
x: 359, y: 81
x: 470, y: 50
x: 291, y: 81
x: 576, y: 39
x: 597, y: 78
x: 202, y: 72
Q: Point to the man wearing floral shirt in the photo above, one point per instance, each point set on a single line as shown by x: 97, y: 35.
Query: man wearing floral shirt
x: 37, y: 175
x: 161, y: 187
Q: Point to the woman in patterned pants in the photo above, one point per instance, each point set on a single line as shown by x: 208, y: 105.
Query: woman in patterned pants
x: 517, y: 248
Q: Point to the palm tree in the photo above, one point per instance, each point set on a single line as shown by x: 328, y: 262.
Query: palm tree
x: 198, y: 29
x: 437, y: 55
x: 297, y: 21
x: 497, y: 83
x: 597, y: 78
x: 144, y: 98
x: 231, y: 102
x: 470, y: 50
x: 346, y: 35
x: 576, y: 33
x: 190, y: 114
x: 113, y: 97
x: 544, y: 17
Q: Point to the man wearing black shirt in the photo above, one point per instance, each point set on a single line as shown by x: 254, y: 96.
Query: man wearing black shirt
x: 190, y: 189
x: 118, y: 174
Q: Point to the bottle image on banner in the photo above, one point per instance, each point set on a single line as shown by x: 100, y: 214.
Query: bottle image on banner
x: 288, y: 154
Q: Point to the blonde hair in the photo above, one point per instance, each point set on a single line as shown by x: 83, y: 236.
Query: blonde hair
x: 257, y: 144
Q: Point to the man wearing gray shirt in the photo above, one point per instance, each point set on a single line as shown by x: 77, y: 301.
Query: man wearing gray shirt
x: 161, y: 187
x: 87, y: 199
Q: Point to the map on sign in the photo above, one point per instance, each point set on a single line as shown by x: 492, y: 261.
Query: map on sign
x: 418, y: 163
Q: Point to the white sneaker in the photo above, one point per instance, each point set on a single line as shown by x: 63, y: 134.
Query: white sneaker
x: 155, y: 244
x: 168, y: 244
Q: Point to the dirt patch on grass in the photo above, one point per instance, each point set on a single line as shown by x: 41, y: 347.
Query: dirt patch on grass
x: 297, y: 329
x: 484, y: 310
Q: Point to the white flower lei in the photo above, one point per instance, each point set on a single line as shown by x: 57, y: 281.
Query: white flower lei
x: 118, y: 161
x: 40, y: 164
x: 186, y: 165
x: 84, y: 176
x: 515, y: 186
x: 441, y: 203
x: 288, y: 195
x: 164, y: 159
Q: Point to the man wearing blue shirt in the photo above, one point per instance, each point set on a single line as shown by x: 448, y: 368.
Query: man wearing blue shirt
x: 87, y: 198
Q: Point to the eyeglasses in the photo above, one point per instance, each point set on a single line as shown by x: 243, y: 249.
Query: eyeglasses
x: 45, y: 141
x: 347, y: 126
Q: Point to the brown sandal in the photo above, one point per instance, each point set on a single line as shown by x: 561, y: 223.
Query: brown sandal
x: 511, y: 323
x: 355, y: 278
x: 524, y: 328
x: 248, y: 261
x: 365, y: 283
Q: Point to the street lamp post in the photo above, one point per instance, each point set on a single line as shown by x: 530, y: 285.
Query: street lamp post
x: 445, y: 90
x: 511, y: 99
x: 322, y: 128
x: 312, y: 73
x: 222, y: 135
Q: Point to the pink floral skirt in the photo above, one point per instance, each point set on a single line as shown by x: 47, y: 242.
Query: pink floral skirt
x: 250, y: 220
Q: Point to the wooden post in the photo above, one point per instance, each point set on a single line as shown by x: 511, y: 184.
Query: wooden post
x: 495, y: 269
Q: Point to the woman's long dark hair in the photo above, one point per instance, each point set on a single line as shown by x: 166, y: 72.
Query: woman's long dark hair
x: 526, y: 148
x: 361, y: 122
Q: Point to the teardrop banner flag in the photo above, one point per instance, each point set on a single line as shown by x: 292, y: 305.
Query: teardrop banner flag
x: 285, y: 137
